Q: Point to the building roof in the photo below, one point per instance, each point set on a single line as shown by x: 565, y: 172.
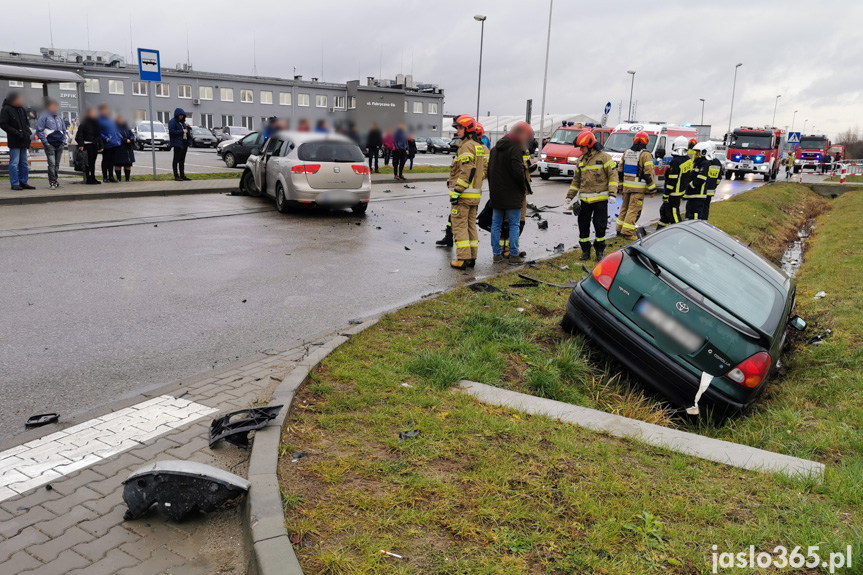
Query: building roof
x: 12, y: 72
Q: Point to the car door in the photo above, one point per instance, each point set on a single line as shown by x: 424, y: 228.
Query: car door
x: 244, y: 147
x: 272, y: 163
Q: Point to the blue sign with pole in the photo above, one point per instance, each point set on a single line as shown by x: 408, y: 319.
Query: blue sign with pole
x: 607, y: 108
x: 793, y: 137
x: 149, y: 66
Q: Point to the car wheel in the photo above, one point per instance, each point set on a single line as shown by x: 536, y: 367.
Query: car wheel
x: 567, y: 325
x: 360, y: 209
x: 281, y: 202
x: 230, y: 160
x: 544, y: 176
x: 247, y: 184
x: 728, y: 175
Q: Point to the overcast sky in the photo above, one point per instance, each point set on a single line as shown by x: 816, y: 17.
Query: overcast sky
x: 809, y: 52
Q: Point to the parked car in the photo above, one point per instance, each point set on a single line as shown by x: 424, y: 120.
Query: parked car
x: 203, y: 138
x: 422, y: 145
x: 309, y: 169
x: 453, y: 145
x: 4, y: 150
x: 438, y: 145
x: 234, y: 132
x: 152, y: 134
x: 685, y: 301
x: 219, y: 134
x: 236, y: 153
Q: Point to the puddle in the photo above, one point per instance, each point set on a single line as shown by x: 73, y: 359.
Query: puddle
x: 793, y: 256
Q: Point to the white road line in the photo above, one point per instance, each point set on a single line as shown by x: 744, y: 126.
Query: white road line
x: 43, y: 460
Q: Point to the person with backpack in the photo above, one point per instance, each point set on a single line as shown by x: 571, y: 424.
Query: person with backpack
x: 51, y: 131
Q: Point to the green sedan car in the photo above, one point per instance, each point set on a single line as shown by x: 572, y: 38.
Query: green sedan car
x: 689, y: 307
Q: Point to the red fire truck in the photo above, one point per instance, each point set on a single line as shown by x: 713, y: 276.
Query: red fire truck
x: 754, y: 151
x: 560, y: 156
x: 809, y: 152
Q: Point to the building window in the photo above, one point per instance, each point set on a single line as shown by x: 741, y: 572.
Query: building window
x: 266, y: 97
x: 432, y: 107
x: 352, y: 102
x: 91, y: 85
x: 139, y: 88
x: 115, y: 87
x: 165, y: 116
x: 37, y: 85
x: 69, y: 117
x: 339, y: 102
x: 418, y: 107
x: 205, y: 92
x: 406, y: 106
x: 320, y: 101
x: 248, y: 122
x: 139, y: 116
x: 284, y: 98
x: 162, y: 90
x: 227, y: 120
x: 247, y: 96
x: 184, y: 91
x: 226, y: 94
x: 302, y: 100
x: 189, y: 119
x: 207, y: 121
x: 16, y: 84
x: 68, y: 86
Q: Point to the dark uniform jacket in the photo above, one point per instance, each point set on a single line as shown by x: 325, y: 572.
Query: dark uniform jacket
x: 13, y: 121
x: 705, y: 179
x: 678, y: 176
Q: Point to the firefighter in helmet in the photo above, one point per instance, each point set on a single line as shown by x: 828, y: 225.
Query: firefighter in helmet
x: 594, y: 182
x: 702, y: 186
x: 467, y: 172
x: 691, y: 151
x: 636, y: 175
x: 483, y: 139
x: 676, y: 182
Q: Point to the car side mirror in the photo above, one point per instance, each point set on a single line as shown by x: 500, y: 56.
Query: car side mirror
x: 797, y: 323
x: 660, y: 153
x: 256, y: 151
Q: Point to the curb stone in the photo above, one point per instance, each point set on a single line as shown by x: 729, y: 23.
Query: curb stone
x: 272, y: 551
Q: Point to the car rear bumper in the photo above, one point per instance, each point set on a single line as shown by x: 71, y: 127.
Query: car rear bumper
x: 303, y: 194
x: 642, y: 358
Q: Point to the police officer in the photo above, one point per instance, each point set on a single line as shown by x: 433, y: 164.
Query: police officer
x: 702, y: 186
x: 594, y: 182
x: 467, y: 172
x: 637, y: 176
x: 676, y: 182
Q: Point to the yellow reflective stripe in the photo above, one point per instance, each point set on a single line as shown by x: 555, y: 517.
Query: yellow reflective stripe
x: 464, y: 244
x: 700, y: 177
x: 594, y: 167
x: 461, y: 182
x: 602, y: 239
x: 573, y: 189
x: 583, y: 240
x: 610, y: 184
x: 628, y: 184
x: 470, y: 195
x: 652, y: 186
x: 628, y: 226
x: 672, y: 176
x: 592, y: 199
x: 474, y: 243
x: 608, y: 164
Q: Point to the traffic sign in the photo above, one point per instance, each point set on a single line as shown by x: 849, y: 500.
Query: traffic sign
x: 149, y: 66
x: 793, y: 137
x: 604, y: 120
x: 607, y: 108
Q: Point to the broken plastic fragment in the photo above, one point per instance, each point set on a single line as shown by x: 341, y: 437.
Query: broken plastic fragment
x: 408, y: 434
x: 820, y: 295
x: 42, y: 419
x: 706, y: 379
x: 388, y: 554
x: 483, y: 287
x: 237, y: 431
x: 543, y: 225
x: 559, y: 248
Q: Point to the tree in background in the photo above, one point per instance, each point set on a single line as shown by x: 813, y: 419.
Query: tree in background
x: 850, y: 138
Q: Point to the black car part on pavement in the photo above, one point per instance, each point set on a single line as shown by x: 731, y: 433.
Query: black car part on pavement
x: 178, y: 488
x: 236, y: 431
x: 569, y: 285
x: 42, y: 419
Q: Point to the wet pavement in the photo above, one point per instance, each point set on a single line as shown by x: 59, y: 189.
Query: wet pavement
x: 186, y: 283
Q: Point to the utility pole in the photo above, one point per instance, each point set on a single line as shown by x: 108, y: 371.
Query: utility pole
x: 733, y: 88
x: 631, y: 88
x: 775, y: 104
x: 545, y: 78
x: 481, y: 19
x: 792, y: 120
x: 702, y: 110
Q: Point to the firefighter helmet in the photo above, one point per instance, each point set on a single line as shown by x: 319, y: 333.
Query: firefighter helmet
x: 641, y: 138
x: 467, y: 122
x: 586, y: 139
x: 679, y: 146
x: 706, y: 149
x: 692, y: 143
x: 480, y: 131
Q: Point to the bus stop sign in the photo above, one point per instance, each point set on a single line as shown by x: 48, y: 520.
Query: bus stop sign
x: 149, y: 68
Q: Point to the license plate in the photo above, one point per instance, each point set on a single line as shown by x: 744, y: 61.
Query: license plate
x: 746, y: 165
x: 336, y: 198
x: 664, y: 324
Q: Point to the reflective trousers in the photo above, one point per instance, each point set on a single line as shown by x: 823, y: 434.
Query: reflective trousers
x: 630, y: 211
x: 465, y: 236
x: 596, y: 212
x: 669, y: 212
x: 697, y: 208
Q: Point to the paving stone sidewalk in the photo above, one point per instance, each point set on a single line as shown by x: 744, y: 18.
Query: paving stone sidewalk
x: 74, y: 522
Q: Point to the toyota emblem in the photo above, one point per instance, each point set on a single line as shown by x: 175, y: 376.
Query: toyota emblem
x: 682, y: 307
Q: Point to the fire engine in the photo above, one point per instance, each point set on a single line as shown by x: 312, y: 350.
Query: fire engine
x: 809, y: 152
x: 660, y: 136
x: 560, y: 156
x: 754, y: 151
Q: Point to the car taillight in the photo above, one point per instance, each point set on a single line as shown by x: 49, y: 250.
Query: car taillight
x: 361, y: 170
x: 751, y: 371
x: 606, y: 269
x: 306, y: 169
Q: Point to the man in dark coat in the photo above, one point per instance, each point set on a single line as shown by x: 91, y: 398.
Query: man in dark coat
x: 179, y: 131
x: 507, y: 188
x: 14, y: 121
x: 373, y: 145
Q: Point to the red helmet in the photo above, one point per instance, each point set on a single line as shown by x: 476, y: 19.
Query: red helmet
x: 586, y: 139
x: 692, y: 143
x: 467, y: 122
x: 641, y: 138
x: 480, y: 131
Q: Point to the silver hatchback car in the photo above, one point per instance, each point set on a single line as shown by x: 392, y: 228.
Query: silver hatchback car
x: 308, y: 168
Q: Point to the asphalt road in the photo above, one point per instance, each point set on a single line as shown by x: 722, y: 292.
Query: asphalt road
x: 189, y: 283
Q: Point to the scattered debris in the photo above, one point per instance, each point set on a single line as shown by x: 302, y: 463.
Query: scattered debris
x: 297, y: 455
x: 394, y: 271
x: 820, y: 295
x: 388, y: 554
x: 407, y: 249
x: 178, y: 488
x: 49, y: 487
x: 42, y: 419
x: 543, y: 225
x: 483, y: 287
x: 237, y: 432
x: 524, y: 285
x: 387, y: 191
x: 244, y: 301
x: 410, y: 187
x: 358, y: 223
x: 377, y: 227
x: 355, y: 321
x: 155, y: 225
x: 564, y: 267
x: 519, y: 309
x: 406, y: 385
x: 408, y: 434
x: 584, y: 269
x: 571, y: 284
x: 559, y: 248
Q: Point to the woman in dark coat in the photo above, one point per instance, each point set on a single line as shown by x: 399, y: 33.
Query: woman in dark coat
x: 124, y: 155
x: 89, y: 140
x: 412, y: 151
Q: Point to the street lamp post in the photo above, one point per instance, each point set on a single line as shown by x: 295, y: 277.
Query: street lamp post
x: 702, y: 110
x: 481, y: 19
x: 631, y: 88
x: 733, y: 88
x: 775, y: 104
x: 545, y: 79
x: 792, y: 120
x: 806, y: 121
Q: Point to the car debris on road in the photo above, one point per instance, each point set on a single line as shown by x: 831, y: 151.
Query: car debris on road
x: 236, y: 431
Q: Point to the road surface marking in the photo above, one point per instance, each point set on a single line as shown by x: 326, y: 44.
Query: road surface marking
x: 43, y: 460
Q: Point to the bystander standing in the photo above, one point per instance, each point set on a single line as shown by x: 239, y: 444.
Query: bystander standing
x: 508, y: 188
x: 388, y: 147
x: 13, y: 121
x: 178, y: 131
x: 374, y: 141
x: 124, y: 156
x: 412, y: 150
x: 400, y: 152
x: 89, y: 140
x: 51, y: 131
x: 110, y: 142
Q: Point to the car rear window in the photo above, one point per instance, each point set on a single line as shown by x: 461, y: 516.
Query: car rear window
x: 330, y: 151
x: 718, y: 275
